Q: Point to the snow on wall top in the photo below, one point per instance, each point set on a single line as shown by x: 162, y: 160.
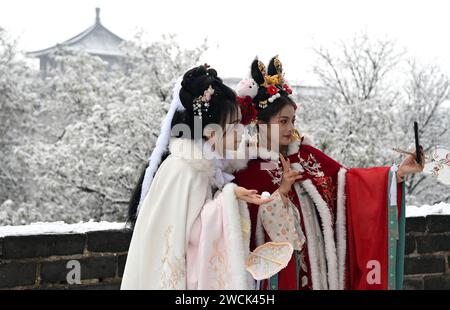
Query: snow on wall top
x: 57, y: 228
x: 61, y: 227
x: 441, y: 208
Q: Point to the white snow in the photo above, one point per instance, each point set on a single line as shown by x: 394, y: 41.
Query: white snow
x: 58, y: 228
x: 82, y: 227
x: 441, y: 208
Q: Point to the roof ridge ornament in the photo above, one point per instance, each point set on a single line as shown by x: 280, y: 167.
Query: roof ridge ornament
x: 97, y: 15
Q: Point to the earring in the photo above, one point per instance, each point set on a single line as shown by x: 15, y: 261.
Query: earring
x: 296, y: 136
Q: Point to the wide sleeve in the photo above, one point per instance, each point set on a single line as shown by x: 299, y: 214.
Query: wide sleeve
x: 375, y: 228
x: 281, y: 221
x: 219, y: 244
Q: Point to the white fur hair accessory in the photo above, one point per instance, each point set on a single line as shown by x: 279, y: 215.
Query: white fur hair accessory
x: 162, y: 142
x: 247, y: 87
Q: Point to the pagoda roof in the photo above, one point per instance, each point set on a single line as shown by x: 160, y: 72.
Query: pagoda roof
x: 97, y: 39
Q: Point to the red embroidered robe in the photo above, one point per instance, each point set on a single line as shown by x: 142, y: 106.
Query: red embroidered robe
x: 353, y: 221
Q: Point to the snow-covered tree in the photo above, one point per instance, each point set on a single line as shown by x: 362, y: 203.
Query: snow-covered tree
x: 18, y: 97
x: 426, y: 92
x: 368, y: 104
x: 97, y: 126
x: 353, y: 118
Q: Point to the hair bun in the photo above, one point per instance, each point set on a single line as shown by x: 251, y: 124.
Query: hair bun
x: 212, y: 73
x: 195, y: 82
x: 199, y: 71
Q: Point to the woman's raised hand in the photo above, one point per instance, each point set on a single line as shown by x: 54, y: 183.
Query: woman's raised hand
x: 289, y: 177
x: 409, y: 165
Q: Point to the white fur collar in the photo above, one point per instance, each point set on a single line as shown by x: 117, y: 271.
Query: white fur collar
x: 308, y: 140
x: 237, y: 160
x: 200, y: 156
x: 192, y: 152
x: 293, y: 148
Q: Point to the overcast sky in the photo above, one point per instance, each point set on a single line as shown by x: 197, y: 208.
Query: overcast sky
x: 238, y: 30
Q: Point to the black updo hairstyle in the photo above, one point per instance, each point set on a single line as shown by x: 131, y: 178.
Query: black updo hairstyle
x: 222, y: 105
x: 258, y: 73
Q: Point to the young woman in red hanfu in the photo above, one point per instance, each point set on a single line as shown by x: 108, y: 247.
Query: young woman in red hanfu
x: 346, y: 225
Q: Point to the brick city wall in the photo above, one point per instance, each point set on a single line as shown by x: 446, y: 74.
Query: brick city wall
x: 427, y: 262
x: 40, y: 261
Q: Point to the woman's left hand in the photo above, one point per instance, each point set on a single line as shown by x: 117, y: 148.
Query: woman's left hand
x: 409, y: 165
x: 250, y: 196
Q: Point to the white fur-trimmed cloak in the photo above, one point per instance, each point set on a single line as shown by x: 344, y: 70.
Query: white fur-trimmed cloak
x: 180, y: 219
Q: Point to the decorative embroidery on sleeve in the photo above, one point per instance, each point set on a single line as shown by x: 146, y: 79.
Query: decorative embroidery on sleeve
x: 219, y: 267
x: 282, y: 223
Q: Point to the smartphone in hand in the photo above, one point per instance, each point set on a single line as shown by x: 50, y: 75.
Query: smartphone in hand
x: 418, y: 148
